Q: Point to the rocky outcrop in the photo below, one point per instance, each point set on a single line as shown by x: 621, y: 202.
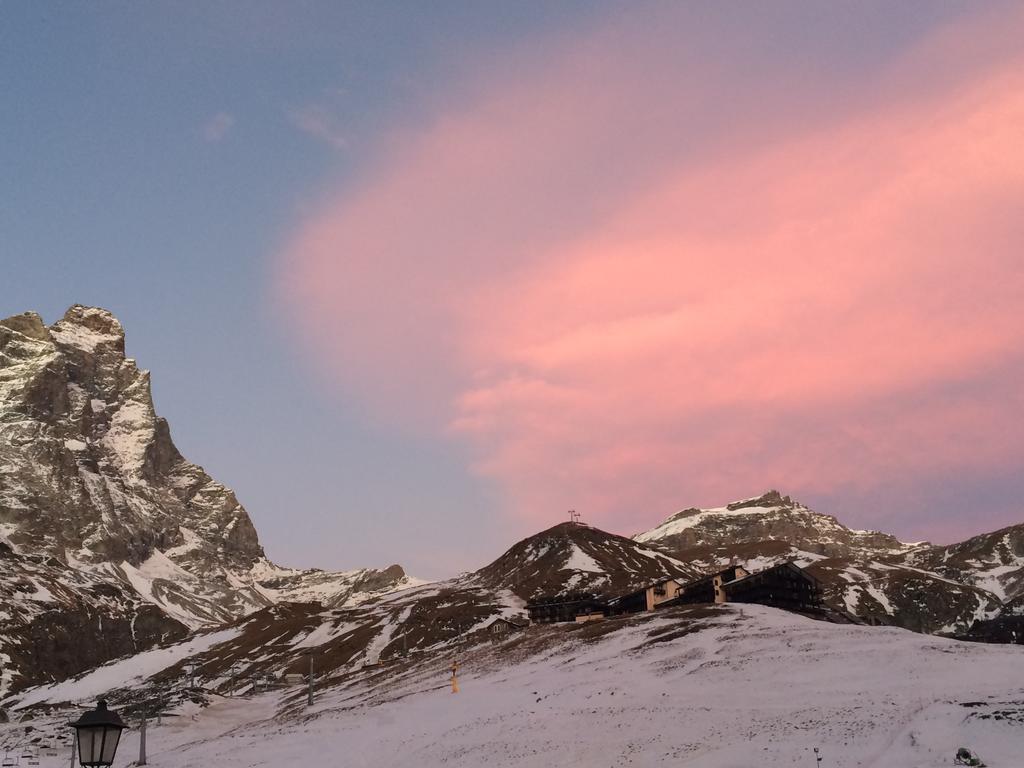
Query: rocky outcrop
x: 92, y: 483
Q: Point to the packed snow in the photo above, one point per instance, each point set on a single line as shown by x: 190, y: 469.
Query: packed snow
x: 993, y: 578
x: 680, y: 522
x: 736, y: 686
x: 578, y: 560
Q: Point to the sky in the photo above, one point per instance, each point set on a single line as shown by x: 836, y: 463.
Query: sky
x: 415, y: 279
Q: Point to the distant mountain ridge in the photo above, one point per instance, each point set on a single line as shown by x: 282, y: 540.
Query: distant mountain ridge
x: 919, y: 586
x: 421, y: 629
x: 770, y: 516
x: 101, y: 516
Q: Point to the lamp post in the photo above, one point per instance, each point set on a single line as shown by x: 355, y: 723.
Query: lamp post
x: 98, y: 732
x: 309, y: 691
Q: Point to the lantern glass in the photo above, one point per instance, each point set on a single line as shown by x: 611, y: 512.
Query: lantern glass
x: 90, y: 744
x: 112, y: 734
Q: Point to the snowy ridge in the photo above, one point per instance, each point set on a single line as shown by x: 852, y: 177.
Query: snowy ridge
x: 89, y: 329
x: 774, y: 516
x: 691, y: 518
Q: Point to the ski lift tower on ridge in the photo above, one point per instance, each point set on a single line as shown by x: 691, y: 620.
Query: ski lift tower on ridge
x: 574, y: 517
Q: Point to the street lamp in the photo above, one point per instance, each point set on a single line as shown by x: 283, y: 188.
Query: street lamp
x: 309, y: 691
x: 98, y: 732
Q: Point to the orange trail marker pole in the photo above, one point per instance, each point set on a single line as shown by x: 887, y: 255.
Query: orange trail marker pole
x: 455, y: 677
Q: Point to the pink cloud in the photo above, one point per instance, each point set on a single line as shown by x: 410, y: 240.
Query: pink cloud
x: 624, y: 304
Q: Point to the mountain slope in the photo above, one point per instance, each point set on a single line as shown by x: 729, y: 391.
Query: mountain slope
x: 406, y: 625
x: 57, y: 621
x: 572, y: 557
x: 870, y: 574
x: 91, y: 481
x: 992, y: 561
x: 713, y: 687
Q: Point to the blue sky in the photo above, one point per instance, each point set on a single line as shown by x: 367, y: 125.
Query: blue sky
x: 158, y: 159
x: 119, y: 191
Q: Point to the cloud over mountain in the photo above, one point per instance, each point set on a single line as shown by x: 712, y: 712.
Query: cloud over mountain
x: 626, y: 270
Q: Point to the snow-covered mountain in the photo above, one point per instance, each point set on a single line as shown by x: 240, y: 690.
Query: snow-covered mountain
x: 992, y: 561
x: 102, y: 519
x: 713, y: 685
x: 113, y: 542
x: 870, y: 574
x: 415, y: 622
x: 771, y: 516
x: 572, y: 557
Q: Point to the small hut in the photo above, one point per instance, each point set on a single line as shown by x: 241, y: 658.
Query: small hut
x: 502, y: 627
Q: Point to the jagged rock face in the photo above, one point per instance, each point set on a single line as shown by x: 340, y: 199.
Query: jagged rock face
x: 870, y: 574
x: 992, y: 561
x: 91, y: 481
x: 571, y: 557
x: 89, y: 472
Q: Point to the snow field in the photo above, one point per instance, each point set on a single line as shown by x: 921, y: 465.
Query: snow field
x: 741, y: 687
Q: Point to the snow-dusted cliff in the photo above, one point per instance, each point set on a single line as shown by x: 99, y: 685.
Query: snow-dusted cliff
x: 101, y: 518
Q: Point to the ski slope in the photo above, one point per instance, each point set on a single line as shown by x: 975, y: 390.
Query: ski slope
x: 712, y: 687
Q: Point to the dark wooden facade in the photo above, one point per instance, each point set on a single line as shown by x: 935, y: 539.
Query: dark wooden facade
x: 703, y: 589
x: 784, y: 586
x: 564, y: 608
x: 633, y: 602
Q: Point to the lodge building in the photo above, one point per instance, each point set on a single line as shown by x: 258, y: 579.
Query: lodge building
x: 572, y: 607
x: 709, y: 589
x: 786, y: 586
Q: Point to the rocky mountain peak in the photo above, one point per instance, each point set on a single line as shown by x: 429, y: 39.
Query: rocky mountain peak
x: 772, y: 516
x: 91, y: 473
x: 91, y: 329
x: 572, y: 557
x: 91, y: 482
x: 28, y: 324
